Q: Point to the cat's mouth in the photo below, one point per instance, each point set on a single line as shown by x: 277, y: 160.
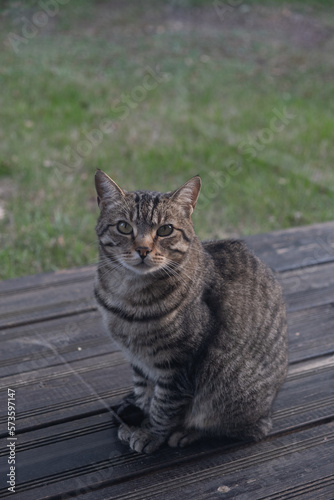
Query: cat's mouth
x: 142, y: 267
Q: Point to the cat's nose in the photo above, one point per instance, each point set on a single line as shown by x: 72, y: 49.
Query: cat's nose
x: 143, y: 251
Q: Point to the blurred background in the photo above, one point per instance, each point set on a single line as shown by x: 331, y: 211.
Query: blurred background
x: 154, y: 92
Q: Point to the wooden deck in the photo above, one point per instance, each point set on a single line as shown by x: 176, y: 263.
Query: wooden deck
x: 66, y: 373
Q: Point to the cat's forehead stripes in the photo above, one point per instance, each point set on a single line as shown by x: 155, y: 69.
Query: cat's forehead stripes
x: 145, y: 207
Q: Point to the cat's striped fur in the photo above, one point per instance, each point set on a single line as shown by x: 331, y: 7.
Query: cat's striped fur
x: 203, y: 324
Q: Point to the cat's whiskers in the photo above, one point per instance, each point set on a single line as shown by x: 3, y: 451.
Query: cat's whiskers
x: 97, y: 261
x: 108, y: 259
x: 108, y: 264
x: 176, y: 273
x: 105, y: 272
x: 167, y: 270
x: 178, y: 270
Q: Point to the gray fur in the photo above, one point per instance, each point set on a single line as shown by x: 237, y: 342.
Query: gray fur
x: 202, y: 324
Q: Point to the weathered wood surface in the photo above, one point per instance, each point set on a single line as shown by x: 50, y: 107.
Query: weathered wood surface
x: 66, y: 373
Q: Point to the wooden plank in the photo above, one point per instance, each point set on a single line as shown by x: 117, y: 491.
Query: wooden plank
x: 52, y: 394
x: 308, y: 287
x: 36, y: 305
x: 311, y: 333
x: 295, y: 248
x: 46, y: 280
x: 50, y: 343
x: 307, y: 395
x: 298, y: 281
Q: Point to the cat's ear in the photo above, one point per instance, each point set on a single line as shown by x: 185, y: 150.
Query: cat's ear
x: 187, y: 194
x: 107, y: 189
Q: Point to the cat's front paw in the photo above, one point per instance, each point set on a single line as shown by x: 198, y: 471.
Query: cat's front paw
x: 139, y: 439
x: 143, y: 441
x: 124, y: 433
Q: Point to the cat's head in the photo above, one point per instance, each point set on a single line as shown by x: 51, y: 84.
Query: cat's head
x: 145, y: 231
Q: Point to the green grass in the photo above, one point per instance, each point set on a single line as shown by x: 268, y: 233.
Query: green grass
x: 221, y: 81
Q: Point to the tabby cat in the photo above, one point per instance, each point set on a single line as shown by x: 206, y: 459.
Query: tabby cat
x: 202, y: 324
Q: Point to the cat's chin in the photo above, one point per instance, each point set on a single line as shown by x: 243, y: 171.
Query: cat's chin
x: 141, y: 268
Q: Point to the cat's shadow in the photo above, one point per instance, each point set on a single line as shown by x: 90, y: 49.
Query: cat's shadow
x: 131, y: 415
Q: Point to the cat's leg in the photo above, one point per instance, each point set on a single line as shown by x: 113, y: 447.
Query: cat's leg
x: 143, y: 390
x: 137, y: 401
x: 165, y: 414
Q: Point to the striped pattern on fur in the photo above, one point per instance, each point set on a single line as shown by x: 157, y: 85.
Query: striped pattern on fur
x: 203, y: 324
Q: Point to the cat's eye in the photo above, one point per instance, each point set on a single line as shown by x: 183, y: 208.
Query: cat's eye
x: 124, y: 228
x: 165, y: 230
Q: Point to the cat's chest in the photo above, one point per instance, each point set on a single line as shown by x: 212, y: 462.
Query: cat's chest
x: 148, y: 344
x: 145, y: 354
x: 145, y: 363
x: 154, y: 325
